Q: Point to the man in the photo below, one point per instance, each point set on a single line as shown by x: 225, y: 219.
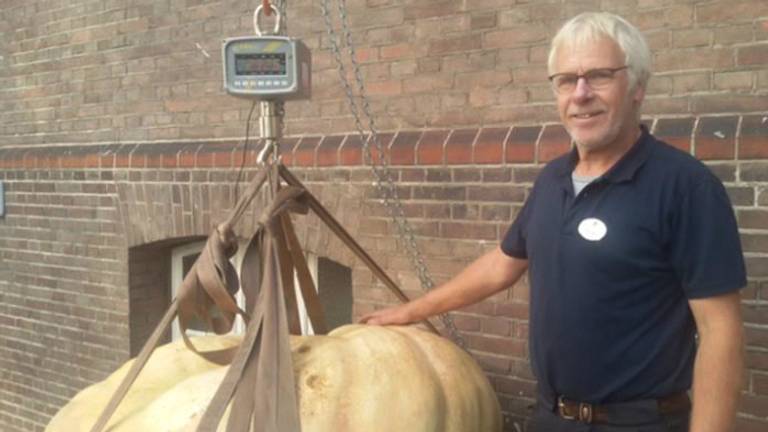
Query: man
x: 632, y: 249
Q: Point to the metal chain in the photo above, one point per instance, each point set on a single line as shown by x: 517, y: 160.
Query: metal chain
x: 384, y: 183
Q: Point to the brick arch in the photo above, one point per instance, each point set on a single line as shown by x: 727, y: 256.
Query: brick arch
x: 345, y: 203
x: 153, y: 212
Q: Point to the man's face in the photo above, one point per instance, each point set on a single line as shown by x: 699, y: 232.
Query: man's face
x: 597, y: 117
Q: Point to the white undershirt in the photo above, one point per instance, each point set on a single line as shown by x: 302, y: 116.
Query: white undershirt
x: 580, y: 182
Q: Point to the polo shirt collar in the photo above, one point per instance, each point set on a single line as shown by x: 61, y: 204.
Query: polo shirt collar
x: 625, y: 168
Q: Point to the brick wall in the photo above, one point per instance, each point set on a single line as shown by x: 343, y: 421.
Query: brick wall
x: 117, y: 142
x: 460, y: 187
x: 85, y: 71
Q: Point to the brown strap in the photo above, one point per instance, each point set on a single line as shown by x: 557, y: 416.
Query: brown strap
x: 263, y: 366
x: 286, y: 274
x: 138, y: 364
x: 347, y: 239
x: 251, y: 276
x: 307, y: 285
x: 193, y: 301
x: 211, y: 283
x: 278, y: 411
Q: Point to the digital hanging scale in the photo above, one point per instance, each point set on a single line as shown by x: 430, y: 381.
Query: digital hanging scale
x: 267, y: 68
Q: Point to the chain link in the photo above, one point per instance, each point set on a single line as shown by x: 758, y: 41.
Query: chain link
x: 384, y: 182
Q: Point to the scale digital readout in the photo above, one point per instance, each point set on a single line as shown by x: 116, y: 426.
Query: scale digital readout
x: 267, y: 68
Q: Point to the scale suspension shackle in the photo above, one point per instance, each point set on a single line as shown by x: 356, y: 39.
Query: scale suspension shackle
x: 278, y: 19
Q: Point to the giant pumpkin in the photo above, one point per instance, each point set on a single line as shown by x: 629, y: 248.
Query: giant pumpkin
x: 356, y: 379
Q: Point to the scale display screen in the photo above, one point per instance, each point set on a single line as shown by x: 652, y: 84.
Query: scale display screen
x: 260, y: 64
x: 267, y: 68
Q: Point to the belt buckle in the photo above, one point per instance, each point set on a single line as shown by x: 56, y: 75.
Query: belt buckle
x: 561, y: 410
x: 584, y: 412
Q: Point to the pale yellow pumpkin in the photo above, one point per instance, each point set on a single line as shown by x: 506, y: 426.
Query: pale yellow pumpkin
x: 356, y: 379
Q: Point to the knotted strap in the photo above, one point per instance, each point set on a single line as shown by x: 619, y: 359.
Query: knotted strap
x: 207, y: 291
x: 260, y: 381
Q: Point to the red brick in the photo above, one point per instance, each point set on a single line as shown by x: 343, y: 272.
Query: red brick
x: 504, y: 194
x: 304, y: 153
x: 498, y: 345
x: 521, y: 144
x: 757, y: 337
x: 351, y: 152
x: 754, y: 172
x: 756, y: 266
x: 520, y: 36
x: 691, y: 38
x: 497, y: 326
x: 752, y: 55
x: 752, y: 218
x: 381, y: 140
x: 384, y: 88
x: 328, y: 150
x: 515, y: 387
x: 732, y: 103
x: 694, y: 58
x: 431, y: 9
x: 402, y: 151
x: 471, y: 231
x: 732, y: 11
x: 676, y: 132
x: 756, y: 359
x: 489, y: 147
x: 754, y: 405
x: 715, y: 138
x: 482, y: 20
x: 554, y: 142
x: 186, y: 157
x: 222, y: 157
x: 169, y: 160
x: 455, y: 44
x: 466, y: 323
x: 364, y: 55
x: 734, y: 34
x: 744, y: 424
x: 753, y: 140
x: 458, y: 149
x: 513, y: 310
x: 397, y: 51
x: 153, y: 160
x: 287, y: 145
x: 138, y: 160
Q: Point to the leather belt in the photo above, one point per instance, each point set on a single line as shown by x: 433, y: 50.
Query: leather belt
x: 593, y: 413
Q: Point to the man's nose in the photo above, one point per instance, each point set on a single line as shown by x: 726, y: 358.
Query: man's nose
x: 582, y: 91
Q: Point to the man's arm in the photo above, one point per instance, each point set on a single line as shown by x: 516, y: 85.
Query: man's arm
x: 719, y: 362
x: 487, y: 275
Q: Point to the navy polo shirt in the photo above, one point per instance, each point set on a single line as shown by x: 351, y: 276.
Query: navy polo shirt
x: 609, y: 318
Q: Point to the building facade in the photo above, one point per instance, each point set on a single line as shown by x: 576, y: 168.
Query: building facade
x: 119, y: 152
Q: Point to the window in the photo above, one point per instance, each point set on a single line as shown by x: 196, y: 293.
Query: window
x: 184, y: 257
x: 182, y: 260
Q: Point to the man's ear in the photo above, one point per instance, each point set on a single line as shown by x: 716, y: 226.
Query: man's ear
x: 638, y: 94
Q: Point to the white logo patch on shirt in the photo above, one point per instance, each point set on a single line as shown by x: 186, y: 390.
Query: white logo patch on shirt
x: 592, y: 229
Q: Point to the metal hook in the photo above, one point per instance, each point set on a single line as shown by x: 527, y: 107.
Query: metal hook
x: 278, y: 20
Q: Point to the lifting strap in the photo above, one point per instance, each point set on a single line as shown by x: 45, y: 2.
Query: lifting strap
x: 261, y: 365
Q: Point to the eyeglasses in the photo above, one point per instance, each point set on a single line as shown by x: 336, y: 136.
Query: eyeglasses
x: 595, y: 79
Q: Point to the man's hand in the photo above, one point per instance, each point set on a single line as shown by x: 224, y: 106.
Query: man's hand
x: 396, y: 315
x: 487, y: 275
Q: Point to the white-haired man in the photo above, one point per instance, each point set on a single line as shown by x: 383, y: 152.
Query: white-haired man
x: 632, y: 249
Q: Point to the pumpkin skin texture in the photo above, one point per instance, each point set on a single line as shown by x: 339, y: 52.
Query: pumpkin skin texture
x: 358, y: 378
